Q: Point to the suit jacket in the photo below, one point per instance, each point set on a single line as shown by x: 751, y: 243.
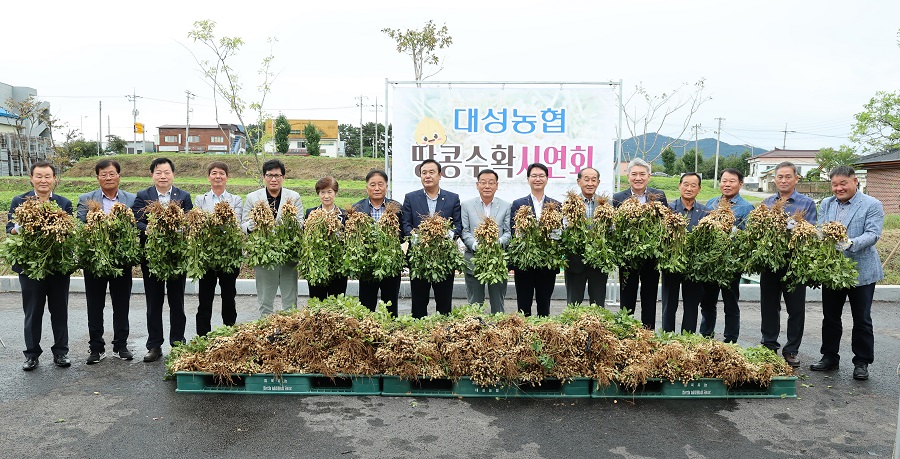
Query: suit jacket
x: 261, y: 195
x: 205, y: 201
x: 342, y: 214
x: 622, y: 196
x: 17, y: 201
x: 864, y: 221
x: 145, y: 197
x: 415, y: 207
x: 363, y: 205
x: 97, y: 195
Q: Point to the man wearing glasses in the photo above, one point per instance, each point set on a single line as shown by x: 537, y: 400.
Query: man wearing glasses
x: 119, y: 286
x: 474, y: 211
x: 269, y: 279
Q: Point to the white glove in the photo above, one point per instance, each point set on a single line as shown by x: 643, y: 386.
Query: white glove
x: 414, y: 238
x: 251, y: 225
x: 844, y: 245
x: 450, y: 234
x: 556, y: 234
x: 17, y: 228
x: 474, y: 246
x: 791, y: 224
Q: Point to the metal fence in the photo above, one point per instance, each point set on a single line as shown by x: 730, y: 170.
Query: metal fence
x: 19, y: 152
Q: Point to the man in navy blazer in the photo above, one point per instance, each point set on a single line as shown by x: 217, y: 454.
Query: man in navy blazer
x: 533, y: 283
x: 52, y: 290
x: 647, y: 274
x: 162, y: 171
x: 420, y: 204
x: 863, y: 216
x: 108, y: 194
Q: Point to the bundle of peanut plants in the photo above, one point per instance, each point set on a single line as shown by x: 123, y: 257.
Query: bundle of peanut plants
x: 815, y: 261
x: 372, y: 249
x: 638, y: 231
x: 320, y: 256
x: 715, y: 257
x: 214, y: 241
x: 45, y: 241
x: 674, y: 257
x: 534, y: 244
x: 490, y: 260
x: 273, y: 242
x: 166, y: 245
x: 598, y: 252
x: 433, y: 254
x: 108, y: 244
x: 764, y: 241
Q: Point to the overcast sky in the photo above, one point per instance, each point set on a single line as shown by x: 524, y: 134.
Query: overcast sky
x: 810, y: 64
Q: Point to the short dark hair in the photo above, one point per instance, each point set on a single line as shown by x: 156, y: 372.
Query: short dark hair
x: 273, y: 164
x: 842, y: 171
x: 156, y: 162
x: 43, y: 164
x: 104, y: 163
x: 735, y: 172
x: 488, y: 171
x: 217, y: 165
x: 586, y: 168
x: 327, y: 182
x: 784, y: 164
x: 375, y: 172
x: 690, y: 174
x: 539, y: 166
x: 431, y: 160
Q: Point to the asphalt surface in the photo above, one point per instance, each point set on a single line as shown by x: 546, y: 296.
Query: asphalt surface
x: 125, y: 409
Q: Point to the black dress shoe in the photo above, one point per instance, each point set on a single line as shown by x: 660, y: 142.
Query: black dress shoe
x: 153, y: 355
x: 861, y: 372
x: 30, y: 364
x: 792, y: 359
x: 826, y: 364
x: 62, y: 360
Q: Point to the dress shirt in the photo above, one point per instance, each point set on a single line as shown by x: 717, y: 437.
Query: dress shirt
x: 694, y: 214
x: 796, y: 203
x: 538, y: 206
x: 274, y: 202
x: 377, y: 212
x: 432, y: 203
x: 164, y: 198
x: 107, y: 202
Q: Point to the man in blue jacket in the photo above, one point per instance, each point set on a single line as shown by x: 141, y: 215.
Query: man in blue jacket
x: 863, y: 216
x: 430, y: 200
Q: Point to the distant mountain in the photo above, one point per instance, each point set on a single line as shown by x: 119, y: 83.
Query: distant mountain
x: 707, y: 146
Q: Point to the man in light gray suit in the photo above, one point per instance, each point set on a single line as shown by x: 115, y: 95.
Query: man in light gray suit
x: 863, y: 216
x: 95, y: 286
x: 269, y: 279
x: 473, y: 212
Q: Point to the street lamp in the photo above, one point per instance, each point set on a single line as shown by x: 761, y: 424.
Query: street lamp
x: 81, y: 131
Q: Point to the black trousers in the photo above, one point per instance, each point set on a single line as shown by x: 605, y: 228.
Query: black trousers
x: 577, y: 275
x: 534, y: 284
x: 771, y: 290
x: 53, y: 291
x: 227, y: 281
x: 443, y: 296
x: 648, y: 276
x: 691, y: 294
x: 156, y: 290
x: 120, y: 296
x: 862, y: 336
x: 334, y: 287
x: 708, y: 311
x: 390, y: 293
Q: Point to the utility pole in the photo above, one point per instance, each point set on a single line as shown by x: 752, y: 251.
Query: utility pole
x: 716, y: 170
x: 696, y: 146
x: 360, y: 104
x: 375, y: 140
x: 784, y: 142
x: 100, y: 132
x: 134, y: 112
x: 187, y: 126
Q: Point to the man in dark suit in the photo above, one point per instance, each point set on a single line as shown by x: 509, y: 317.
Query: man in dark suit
x: 162, y: 171
x: 327, y: 188
x: 375, y: 205
x: 95, y: 286
x: 646, y: 274
x: 863, y: 216
x: 533, y: 283
x: 53, y: 289
x: 416, y: 206
x: 577, y: 274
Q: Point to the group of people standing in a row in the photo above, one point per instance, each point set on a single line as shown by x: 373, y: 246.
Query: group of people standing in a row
x: 862, y: 215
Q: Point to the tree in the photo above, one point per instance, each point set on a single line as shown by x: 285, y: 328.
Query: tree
x: 282, y: 131
x: 349, y: 134
x: 668, y: 159
x: 115, y: 144
x: 877, y: 128
x: 421, y: 46
x: 226, y: 84
x: 30, y: 113
x: 646, y: 114
x: 313, y: 136
x: 829, y: 158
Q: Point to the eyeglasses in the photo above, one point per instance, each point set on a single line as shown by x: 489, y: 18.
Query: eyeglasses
x: 487, y: 182
x: 538, y: 176
x: 106, y: 176
x: 273, y: 176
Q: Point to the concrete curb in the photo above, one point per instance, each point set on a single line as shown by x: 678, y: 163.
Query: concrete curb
x: 749, y: 292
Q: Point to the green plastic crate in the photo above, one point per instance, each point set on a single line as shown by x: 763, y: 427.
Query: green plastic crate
x: 297, y: 384
x: 394, y: 386
x: 780, y: 387
x: 464, y: 387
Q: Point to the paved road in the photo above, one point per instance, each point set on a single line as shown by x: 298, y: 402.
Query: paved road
x: 125, y: 409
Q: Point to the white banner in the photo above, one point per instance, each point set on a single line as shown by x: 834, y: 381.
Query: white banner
x: 470, y: 129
